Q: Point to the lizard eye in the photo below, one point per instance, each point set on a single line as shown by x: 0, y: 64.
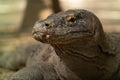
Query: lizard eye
x: 71, y: 18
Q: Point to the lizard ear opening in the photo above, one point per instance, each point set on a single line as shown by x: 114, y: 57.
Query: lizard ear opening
x: 104, y: 42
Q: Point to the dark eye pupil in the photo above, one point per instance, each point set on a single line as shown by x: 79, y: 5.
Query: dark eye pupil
x: 71, y: 20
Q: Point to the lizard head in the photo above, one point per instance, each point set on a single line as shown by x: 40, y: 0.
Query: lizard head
x: 64, y: 27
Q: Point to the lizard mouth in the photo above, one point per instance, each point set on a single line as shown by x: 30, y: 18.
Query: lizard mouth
x: 61, y: 39
x: 40, y: 36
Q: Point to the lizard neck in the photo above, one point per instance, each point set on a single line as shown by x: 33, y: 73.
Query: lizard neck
x: 81, y: 49
x: 82, y: 57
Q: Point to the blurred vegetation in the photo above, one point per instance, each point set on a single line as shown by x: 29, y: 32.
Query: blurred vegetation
x: 21, y: 16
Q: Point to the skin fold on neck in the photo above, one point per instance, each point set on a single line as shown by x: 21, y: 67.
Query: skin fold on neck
x: 83, y: 57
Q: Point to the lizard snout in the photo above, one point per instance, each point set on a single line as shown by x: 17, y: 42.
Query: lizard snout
x: 43, y: 26
x: 41, y: 31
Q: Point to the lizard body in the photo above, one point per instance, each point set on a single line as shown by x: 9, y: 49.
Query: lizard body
x: 79, y: 49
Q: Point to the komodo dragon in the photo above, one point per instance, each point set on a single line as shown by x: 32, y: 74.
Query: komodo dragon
x: 79, y: 49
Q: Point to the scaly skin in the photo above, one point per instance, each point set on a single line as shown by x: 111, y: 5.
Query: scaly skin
x: 80, y: 49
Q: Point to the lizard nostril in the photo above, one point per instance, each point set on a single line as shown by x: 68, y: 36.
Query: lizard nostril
x: 48, y: 25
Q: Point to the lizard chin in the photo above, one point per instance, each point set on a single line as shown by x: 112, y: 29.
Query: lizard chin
x: 41, y: 37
